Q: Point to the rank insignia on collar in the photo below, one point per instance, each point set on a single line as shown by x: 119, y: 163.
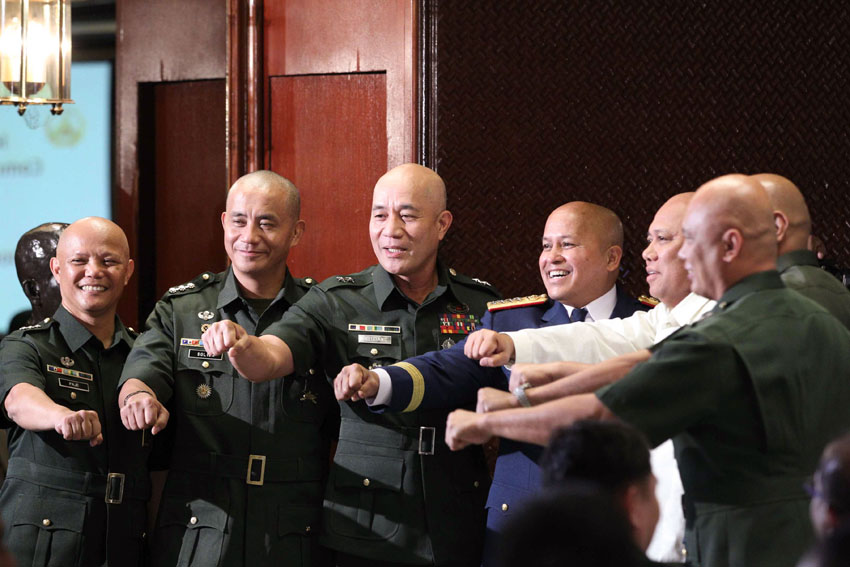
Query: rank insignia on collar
x: 206, y: 315
x: 308, y: 396
x: 67, y: 361
x: 204, y: 391
x: 345, y: 279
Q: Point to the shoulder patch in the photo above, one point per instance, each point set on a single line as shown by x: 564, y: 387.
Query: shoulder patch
x: 343, y: 281
x: 40, y: 326
x: 526, y: 301
x: 648, y: 300
x: 196, y: 284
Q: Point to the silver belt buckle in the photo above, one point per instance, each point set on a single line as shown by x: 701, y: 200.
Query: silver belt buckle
x: 427, y: 440
x: 251, y: 460
x: 110, y: 478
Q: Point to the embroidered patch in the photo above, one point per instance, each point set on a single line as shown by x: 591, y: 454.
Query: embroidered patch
x: 374, y: 328
x: 457, y: 323
x: 202, y: 354
x: 69, y: 372
x: 375, y: 339
x: 73, y: 384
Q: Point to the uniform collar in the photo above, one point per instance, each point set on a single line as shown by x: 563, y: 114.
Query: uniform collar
x: 76, y: 335
x: 800, y: 257
x: 752, y: 283
x: 598, y: 309
x: 686, y: 311
x: 230, y: 290
x: 385, y: 286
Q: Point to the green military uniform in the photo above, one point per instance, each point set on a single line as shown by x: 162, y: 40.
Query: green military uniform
x: 396, y: 493
x: 65, y: 502
x: 800, y: 271
x: 750, y: 396
x: 249, y: 461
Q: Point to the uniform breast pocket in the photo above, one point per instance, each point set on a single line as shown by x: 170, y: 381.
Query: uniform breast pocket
x: 374, y: 349
x: 306, y: 398
x: 203, y: 385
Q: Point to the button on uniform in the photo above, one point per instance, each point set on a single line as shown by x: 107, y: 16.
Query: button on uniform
x: 366, y: 482
x: 193, y: 520
x: 205, y: 364
x: 46, y: 522
x: 373, y: 352
x: 504, y: 507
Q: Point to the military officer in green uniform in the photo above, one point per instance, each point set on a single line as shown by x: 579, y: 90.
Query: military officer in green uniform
x: 749, y: 395
x: 798, y: 266
x: 249, y: 461
x: 77, y: 483
x: 396, y: 494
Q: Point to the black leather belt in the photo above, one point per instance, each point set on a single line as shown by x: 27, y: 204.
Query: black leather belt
x: 256, y: 470
x: 114, y: 487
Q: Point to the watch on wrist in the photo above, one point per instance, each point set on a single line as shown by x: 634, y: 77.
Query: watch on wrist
x: 519, y: 393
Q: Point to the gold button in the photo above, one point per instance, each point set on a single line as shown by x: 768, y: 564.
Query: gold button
x: 504, y: 507
x: 309, y: 281
x: 307, y: 529
x: 374, y: 351
x: 193, y: 520
x: 366, y: 482
x: 205, y: 364
x: 206, y: 276
x: 476, y: 484
x: 46, y: 522
x: 47, y: 320
x: 73, y: 395
x: 312, y: 371
x: 452, y: 271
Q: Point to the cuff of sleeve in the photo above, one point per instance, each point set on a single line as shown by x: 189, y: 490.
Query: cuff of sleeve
x: 522, y: 348
x: 385, y: 389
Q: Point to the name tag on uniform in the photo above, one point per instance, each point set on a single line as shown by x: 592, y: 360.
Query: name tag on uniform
x: 375, y: 339
x: 374, y: 328
x: 202, y: 354
x: 69, y: 372
x: 73, y: 384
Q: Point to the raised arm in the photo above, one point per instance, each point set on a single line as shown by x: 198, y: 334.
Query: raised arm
x: 32, y: 409
x: 257, y: 359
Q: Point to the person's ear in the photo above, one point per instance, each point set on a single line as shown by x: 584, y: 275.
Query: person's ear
x: 444, y: 221
x: 32, y: 291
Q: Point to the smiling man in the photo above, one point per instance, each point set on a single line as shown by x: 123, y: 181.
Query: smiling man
x: 77, y: 484
x: 249, y: 461
x: 579, y: 262
x: 396, y: 494
x: 749, y: 394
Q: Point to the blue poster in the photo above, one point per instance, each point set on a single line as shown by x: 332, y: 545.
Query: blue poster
x: 53, y: 169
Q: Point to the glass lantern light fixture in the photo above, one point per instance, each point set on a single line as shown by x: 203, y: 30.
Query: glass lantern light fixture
x: 35, y: 53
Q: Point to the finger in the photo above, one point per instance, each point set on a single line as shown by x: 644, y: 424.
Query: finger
x: 95, y: 427
x: 161, y: 421
x: 149, y: 416
x: 96, y: 440
x: 85, y: 429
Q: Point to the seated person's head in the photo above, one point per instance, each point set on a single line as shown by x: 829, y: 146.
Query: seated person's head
x: 616, y: 457
x: 832, y: 551
x: 830, y: 488
x: 579, y: 525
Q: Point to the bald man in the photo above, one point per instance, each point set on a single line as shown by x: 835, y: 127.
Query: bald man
x: 396, y: 495
x: 748, y: 394
x: 77, y: 484
x: 582, y: 245
x: 798, y: 266
x: 249, y: 461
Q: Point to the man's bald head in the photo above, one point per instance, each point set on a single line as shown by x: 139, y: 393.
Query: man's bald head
x: 582, y: 249
x: 729, y: 234
x: 788, y: 201
x: 92, y: 266
x: 424, y: 181
x: 272, y: 184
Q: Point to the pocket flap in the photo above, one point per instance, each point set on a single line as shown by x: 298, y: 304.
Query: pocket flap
x: 300, y: 520
x: 193, y: 515
x: 51, y: 514
x: 368, y: 471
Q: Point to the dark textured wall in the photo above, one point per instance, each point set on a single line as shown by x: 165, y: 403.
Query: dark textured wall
x: 625, y: 104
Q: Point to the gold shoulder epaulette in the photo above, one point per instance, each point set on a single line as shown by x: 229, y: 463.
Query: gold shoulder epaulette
x: 648, y: 301
x: 517, y: 302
